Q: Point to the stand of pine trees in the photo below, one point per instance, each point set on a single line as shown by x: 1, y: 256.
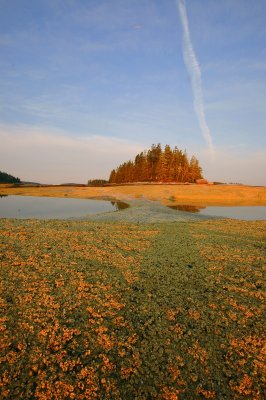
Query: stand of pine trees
x: 6, y: 178
x: 157, y: 165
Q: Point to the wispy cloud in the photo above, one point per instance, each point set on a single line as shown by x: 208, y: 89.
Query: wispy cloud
x: 195, y: 75
x: 48, y: 155
x: 235, y: 164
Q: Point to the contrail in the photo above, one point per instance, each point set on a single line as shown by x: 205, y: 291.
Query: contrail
x: 195, y: 75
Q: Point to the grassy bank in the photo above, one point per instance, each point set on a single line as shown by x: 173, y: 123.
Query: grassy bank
x: 94, y: 310
x: 167, y: 194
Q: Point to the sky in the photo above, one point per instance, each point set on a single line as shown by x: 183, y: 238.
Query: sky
x: 87, y: 84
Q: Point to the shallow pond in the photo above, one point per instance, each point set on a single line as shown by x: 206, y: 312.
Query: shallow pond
x: 53, y: 207
x: 236, y: 212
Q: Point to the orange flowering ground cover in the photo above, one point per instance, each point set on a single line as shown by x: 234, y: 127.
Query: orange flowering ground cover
x: 122, y: 311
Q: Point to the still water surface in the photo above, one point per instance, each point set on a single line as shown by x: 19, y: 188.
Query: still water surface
x: 62, y: 208
x: 53, y: 207
x: 236, y: 212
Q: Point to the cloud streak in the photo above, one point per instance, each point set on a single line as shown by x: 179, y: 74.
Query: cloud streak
x: 193, y: 68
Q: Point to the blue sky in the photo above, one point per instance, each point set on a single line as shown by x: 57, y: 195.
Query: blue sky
x: 85, y: 85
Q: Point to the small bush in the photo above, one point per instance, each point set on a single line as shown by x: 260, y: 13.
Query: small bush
x: 97, y: 182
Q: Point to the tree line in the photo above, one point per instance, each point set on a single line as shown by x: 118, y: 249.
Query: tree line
x: 158, y: 165
x: 6, y: 178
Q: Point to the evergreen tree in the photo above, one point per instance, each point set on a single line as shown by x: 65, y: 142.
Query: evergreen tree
x: 112, y: 176
x: 185, y: 167
x: 194, y: 170
x: 153, y: 156
x: 164, y: 165
x: 175, y: 169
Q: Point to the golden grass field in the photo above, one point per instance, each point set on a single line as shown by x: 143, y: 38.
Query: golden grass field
x: 167, y: 194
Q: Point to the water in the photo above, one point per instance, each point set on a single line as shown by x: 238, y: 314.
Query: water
x: 235, y: 212
x: 53, y: 207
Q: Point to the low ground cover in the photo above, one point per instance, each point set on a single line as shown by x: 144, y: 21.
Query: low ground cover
x: 94, y: 310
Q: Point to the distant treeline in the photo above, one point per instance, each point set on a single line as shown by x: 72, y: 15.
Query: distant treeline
x: 6, y: 178
x: 157, y: 165
x: 97, y: 182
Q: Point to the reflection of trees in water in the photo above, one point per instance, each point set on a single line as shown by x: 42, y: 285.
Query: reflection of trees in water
x: 3, y: 195
x: 120, y: 205
x: 187, y: 207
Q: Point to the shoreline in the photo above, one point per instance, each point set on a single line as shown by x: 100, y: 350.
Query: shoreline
x: 198, y: 195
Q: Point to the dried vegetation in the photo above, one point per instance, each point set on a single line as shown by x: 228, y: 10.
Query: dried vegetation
x: 234, y: 195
